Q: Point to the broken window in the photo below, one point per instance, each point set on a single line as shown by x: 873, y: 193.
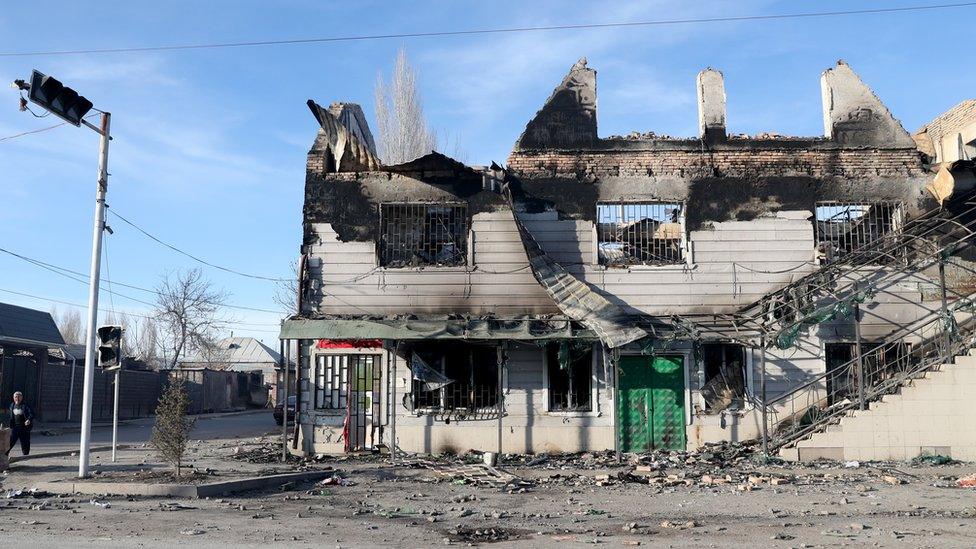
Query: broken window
x: 465, y: 377
x: 569, y: 371
x: 724, y: 365
x: 414, y: 235
x: 647, y: 233
x: 841, y: 380
x: 843, y: 227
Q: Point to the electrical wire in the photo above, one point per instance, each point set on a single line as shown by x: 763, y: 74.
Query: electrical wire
x: 193, y: 257
x: 503, y: 30
x: 126, y: 313
x: 83, y: 279
x: 22, y: 134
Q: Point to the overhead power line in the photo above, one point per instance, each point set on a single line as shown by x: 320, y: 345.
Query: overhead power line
x: 126, y: 313
x: 193, y: 257
x: 22, y: 134
x: 83, y: 279
x: 430, y: 34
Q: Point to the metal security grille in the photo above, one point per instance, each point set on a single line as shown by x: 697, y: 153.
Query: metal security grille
x: 331, y: 382
x: 423, y: 234
x: 845, y: 227
x: 649, y: 233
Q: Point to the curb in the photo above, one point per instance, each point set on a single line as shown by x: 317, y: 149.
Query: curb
x: 67, y: 487
x: 61, y: 453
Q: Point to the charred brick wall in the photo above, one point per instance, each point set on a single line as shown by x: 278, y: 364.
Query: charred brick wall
x: 746, y: 162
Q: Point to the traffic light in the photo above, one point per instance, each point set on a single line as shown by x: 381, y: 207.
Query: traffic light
x: 64, y: 102
x: 110, y: 347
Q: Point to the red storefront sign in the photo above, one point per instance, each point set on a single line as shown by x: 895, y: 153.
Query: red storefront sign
x: 349, y: 344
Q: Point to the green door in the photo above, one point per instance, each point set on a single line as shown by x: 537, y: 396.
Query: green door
x: 651, y: 405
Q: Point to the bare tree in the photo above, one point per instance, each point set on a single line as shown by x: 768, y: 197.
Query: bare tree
x: 286, y: 292
x: 70, y: 324
x: 403, y: 131
x: 188, y: 313
x: 147, y: 342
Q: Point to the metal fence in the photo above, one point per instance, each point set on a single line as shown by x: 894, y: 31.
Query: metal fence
x: 423, y: 234
x: 845, y: 227
x: 648, y: 233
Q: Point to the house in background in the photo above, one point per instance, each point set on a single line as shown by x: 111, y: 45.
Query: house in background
x: 25, y: 336
x: 631, y: 292
x: 245, y: 354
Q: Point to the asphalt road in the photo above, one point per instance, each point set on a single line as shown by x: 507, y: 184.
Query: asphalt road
x: 214, y: 427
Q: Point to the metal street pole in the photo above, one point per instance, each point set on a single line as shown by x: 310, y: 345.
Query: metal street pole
x: 284, y: 404
x: 115, y: 414
x: 90, y: 346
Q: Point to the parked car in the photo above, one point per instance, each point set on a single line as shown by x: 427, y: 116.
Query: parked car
x: 278, y: 415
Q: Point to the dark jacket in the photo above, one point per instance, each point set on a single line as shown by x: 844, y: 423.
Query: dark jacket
x: 18, y: 421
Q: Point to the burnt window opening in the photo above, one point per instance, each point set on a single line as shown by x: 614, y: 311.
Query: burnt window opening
x: 841, y: 383
x: 569, y: 370
x: 469, y: 371
x: 646, y: 233
x: 336, y: 375
x: 724, y: 366
x: 413, y: 235
x: 881, y: 361
x: 845, y: 227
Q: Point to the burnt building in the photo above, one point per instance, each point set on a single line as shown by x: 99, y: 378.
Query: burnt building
x: 628, y: 292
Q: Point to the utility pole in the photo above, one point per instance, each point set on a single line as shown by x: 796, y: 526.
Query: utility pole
x: 67, y: 104
x: 93, y: 276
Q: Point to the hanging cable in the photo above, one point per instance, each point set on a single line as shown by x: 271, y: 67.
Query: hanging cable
x: 193, y: 257
x: 504, y: 30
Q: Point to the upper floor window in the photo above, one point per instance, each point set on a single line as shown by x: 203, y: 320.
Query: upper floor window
x: 414, y: 235
x: 845, y: 227
x: 644, y: 233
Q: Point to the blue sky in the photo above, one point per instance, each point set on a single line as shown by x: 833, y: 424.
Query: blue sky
x: 210, y: 145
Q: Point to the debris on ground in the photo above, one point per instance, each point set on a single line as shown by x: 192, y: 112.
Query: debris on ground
x: 476, y: 473
x: 967, y: 481
x: 102, y: 504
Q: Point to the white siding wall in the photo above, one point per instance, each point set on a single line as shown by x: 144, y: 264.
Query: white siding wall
x: 734, y: 263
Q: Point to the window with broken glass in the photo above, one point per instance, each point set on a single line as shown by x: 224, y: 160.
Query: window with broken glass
x: 569, y: 376
x: 845, y: 227
x: 645, y: 233
x: 454, y: 377
x: 414, y: 235
x: 724, y: 369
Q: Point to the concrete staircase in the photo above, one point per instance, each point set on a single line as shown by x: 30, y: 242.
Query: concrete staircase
x: 932, y: 414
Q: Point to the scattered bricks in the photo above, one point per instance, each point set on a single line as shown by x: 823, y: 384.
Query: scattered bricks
x: 892, y: 480
x: 967, y: 482
x: 757, y: 480
x: 779, y: 481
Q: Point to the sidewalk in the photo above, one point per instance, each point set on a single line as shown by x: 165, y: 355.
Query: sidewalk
x: 61, y: 428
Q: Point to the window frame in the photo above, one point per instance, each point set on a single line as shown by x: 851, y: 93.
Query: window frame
x: 685, y: 248
x: 441, y: 407
x: 379, y: 361
x: 464, y: 258
x: 594, y: 410
x: 897, y: 208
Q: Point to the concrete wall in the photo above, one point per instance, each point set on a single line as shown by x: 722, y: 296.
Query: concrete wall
x: 931, y: 415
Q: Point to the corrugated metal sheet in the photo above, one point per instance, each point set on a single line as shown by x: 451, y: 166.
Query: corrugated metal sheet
x: 241, y: 350
x: 23, y: 325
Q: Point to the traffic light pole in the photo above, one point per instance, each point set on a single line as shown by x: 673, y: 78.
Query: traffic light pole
x: 115, y: 414
x: 90, y: 345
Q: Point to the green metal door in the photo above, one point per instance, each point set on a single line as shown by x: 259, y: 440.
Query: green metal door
x: 651, y: 404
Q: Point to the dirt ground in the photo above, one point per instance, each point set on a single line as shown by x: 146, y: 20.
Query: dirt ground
x: 573, y: 502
